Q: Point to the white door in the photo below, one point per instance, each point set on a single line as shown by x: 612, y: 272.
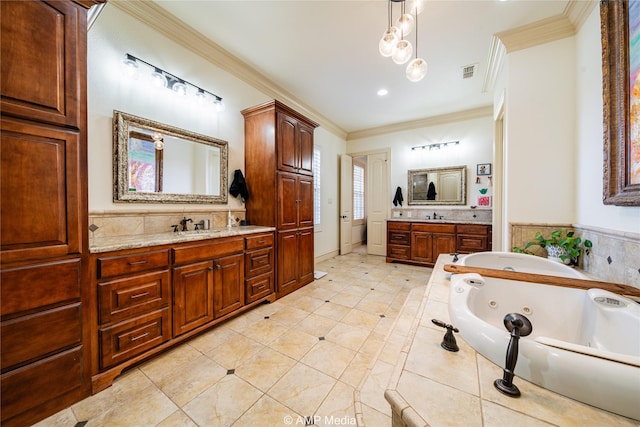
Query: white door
x: 377, y: 203
x: 346, y: 203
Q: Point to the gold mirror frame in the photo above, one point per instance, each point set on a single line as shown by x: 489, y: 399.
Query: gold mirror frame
x: 618, y: 161
x: 461, y: 186
x: 122, y: 122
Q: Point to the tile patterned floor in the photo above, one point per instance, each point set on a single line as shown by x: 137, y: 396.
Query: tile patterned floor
x: 297, y: 361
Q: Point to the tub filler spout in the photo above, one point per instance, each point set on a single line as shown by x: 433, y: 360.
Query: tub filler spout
x: 518, y: 326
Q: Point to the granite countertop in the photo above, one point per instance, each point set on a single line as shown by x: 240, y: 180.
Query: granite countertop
x: 439, y: 221
x: 105, y: 244
x: 433, y: 387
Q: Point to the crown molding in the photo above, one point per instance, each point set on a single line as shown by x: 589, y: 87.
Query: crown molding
x: 495, y: 62
x: 181, y: 33
x: 579, y: 11
x: 539, y: 32
x: 458, y: 116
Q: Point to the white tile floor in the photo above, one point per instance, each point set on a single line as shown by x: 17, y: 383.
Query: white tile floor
x: 296, y: 361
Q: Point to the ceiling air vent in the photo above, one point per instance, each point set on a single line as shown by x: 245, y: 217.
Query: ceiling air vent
x: 468, y: 71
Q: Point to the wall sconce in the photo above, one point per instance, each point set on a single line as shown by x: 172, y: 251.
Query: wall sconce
x: 167, y: 80
x: 435, y: 146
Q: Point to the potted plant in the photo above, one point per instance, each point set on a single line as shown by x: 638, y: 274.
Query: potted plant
x: 560, y: 247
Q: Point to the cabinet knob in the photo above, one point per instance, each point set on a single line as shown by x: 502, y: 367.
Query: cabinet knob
x: 210, y: 268
x: 218, y: 267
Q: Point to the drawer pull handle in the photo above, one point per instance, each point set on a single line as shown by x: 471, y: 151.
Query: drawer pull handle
x: 139, y: 337
x: 144, y: 261
x: 144, y: 294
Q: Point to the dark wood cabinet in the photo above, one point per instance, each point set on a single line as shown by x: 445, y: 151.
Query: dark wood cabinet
x: 150, y: 299
x: 421, y: 243
x: 43, y: 201
x: 279, y: 174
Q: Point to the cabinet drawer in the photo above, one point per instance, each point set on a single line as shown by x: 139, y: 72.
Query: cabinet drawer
x: 25, y: 388
x: 477, y: 229
x: 259, y: 287
x: 396, y: 225
x: 468, y: 243
x: 399, y: 252
x: 122, y: 298
x: 210, y: 250
x: 261, y: 241
x: 434, y: 228
x: 132, y: 263
x: 26, y: 288
x: 29, y: 337
x: 258, y: 262
x: 399, y: 237
x: 128, y: 339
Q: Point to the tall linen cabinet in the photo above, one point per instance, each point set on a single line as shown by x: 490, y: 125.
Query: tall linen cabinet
x: 279, y: 176
x: 43, y: 197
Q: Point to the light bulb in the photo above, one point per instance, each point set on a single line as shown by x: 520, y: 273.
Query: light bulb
x: 388, y: 42
x: 201, y: 96
x: 179, y: 88
x: 416, y: 70
x: 158, y: 141
x: 219, y: 106
x: 405, y: 23
x: 158, y: 78
x: 131, y: 67
x: 402, y: 52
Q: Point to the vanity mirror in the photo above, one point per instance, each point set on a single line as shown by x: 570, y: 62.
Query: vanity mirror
x: 439, y: 186
x: 154, y: 162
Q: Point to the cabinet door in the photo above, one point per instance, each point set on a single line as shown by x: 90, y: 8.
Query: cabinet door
x: 192, y: 296
x: 288, y: 201
x: 39, y: 168
x: 422, y: 246
x: 305, y: 256
x: 305, y: 201
x: 305, y: 148
x: 286, y: 143
x: 42, y: 60
x: 288, y: 263
x: 228, y: 284
x: 443, y: 244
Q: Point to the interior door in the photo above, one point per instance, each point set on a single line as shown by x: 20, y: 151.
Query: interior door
x: 377, y: 203
x: 346, y: 203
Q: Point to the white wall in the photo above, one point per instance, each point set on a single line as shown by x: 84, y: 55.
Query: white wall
x: 112, y: 36
x: 589, y: 207
x: 476, y: 146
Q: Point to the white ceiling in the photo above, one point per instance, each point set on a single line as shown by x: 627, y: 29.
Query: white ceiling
x: 325, y: 52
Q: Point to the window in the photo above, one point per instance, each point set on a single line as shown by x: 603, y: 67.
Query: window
x: 358, y: 192
x: 316, y: 186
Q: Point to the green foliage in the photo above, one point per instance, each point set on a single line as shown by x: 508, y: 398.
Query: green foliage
x: 573, y: 245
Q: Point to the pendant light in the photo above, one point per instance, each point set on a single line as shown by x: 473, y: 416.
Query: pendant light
x: 403, y: 50
x: 417, y: 69
x: 389, y: 38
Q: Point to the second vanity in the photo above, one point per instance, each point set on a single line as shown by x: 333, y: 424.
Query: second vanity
x: 151, y: 292
x: 420, y: 242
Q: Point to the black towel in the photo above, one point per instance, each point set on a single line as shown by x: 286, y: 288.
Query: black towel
x: 239, y: 186
x: 398, y: 198
x: 431, y: 192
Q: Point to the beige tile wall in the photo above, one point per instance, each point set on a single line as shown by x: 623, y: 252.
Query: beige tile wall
x: 150, y: 222
x: 615, y: 256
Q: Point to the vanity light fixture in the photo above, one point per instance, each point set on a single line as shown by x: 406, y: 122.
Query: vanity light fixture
x: 178, y: 85
x: 435, y: 146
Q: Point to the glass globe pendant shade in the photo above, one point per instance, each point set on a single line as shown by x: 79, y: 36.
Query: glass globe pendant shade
x: 405, y: 23
x: 416, y: 70
x: 158, y: 79
x: 402, y: 52
x: 388, y: 42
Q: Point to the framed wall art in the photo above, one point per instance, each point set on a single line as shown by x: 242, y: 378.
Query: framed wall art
x: 483, y: 169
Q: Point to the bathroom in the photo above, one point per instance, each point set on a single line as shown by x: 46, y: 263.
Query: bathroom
x: 542, y: 136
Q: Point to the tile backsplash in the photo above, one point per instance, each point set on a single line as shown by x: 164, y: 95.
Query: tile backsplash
x: 127, y: 223
x: 615, y: 256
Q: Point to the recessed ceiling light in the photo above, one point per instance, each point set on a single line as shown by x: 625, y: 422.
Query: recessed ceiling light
x: 382, y: 92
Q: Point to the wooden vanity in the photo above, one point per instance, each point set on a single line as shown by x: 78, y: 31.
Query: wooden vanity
x: 151, y: 296
x: 421, y: 242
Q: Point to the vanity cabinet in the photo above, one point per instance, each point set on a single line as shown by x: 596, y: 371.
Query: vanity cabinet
x: 279, y: 175
x: 149, y: 299
x: 421, y: 243
x: 43, y: 194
